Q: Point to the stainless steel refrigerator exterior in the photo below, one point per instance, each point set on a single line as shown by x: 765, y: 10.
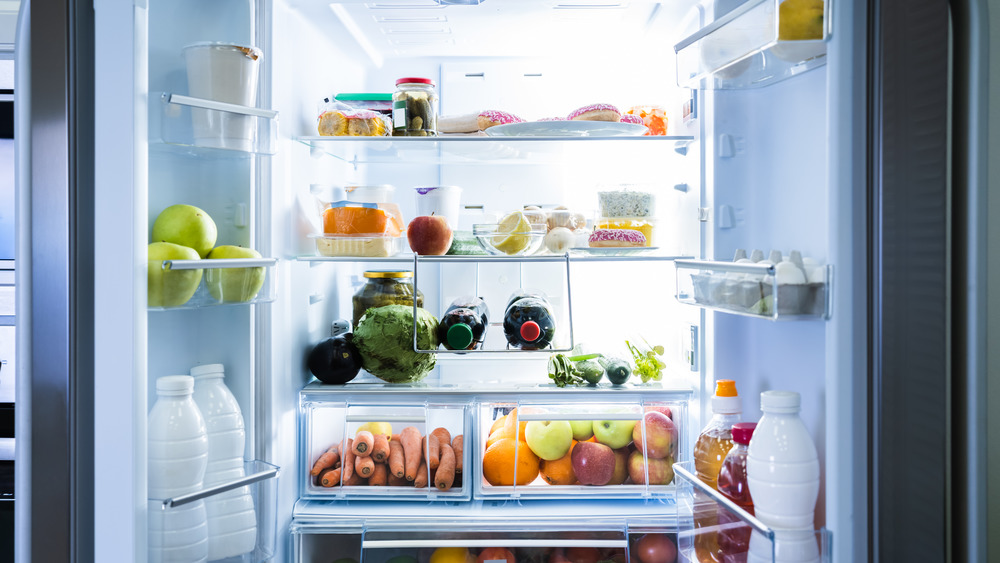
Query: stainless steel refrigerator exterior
x: 82, y: 334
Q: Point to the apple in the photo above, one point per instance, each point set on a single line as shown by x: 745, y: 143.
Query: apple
x: 614, y: 433
x: 661, y: 409
x: 660, y: 438
x: 582, y: 429
x: 656, y: 548
x: 234, y: 285
x: 549, y: 439
x: 621, y: 467
x: 186, y: 225
x: 429, y: 235
x: 593, y: 463
x: 170, y: 288
x: 661, y: 471
x: 496, y: 554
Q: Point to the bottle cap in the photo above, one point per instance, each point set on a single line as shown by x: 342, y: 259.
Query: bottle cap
x: 530, y: 331
x: 208, y: 370
x: 725, y: 400
x: 175, y: 385
x: 784, y: 402
x: 459, y: 336
x: 414, y: 80
x: 743, y: 431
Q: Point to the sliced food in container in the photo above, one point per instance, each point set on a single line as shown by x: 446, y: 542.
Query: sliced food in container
x: 360, y: 229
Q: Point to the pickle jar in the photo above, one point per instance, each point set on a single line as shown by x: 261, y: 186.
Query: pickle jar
x: 414, y: 108
x: 385, y: 287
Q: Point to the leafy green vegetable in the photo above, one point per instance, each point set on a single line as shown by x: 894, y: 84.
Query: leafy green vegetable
x: 647, y: 364
x: 563, y: 372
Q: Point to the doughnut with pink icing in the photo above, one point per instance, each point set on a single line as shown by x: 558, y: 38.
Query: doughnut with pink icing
x: 629, y: 118
x: 605, y: 238
x: 596, y: 112
x: 492, y: 117
x: 473, y: 122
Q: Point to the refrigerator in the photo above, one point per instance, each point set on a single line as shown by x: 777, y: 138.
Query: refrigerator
x: 864, y: 151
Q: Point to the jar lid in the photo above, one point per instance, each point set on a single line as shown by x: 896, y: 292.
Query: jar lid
x: 743, y: 431
x: 382, y: 274
x: 175, y: 385
x: 414, y: 80
x: 363, y: 97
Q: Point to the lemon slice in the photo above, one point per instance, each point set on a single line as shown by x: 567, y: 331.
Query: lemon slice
x: 513, y: 234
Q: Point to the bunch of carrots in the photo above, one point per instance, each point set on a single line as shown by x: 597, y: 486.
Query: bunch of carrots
x: 399, y: 460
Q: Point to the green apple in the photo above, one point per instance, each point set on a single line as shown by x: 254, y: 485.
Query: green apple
x: 582, y: 429
x: 170, y: 288
x: 186, y: 225
x: 234, y: 285
x: 614, y: 433
x: 550, y: 440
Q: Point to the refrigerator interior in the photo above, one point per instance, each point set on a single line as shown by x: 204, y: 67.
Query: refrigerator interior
x: 748, y: 170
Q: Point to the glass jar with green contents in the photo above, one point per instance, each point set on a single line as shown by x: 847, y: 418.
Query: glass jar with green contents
x: 414, y: 108
x: 385, y: 287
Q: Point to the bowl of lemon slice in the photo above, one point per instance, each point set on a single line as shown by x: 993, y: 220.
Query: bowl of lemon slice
x: 514, y: 235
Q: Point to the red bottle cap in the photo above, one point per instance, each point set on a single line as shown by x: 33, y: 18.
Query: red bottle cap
x: 743, y: 431
x: 530, y: 331
x: 414, y: 80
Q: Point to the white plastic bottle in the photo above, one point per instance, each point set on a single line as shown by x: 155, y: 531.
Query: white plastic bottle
x: 782, y: 465
x: 177, y: 456
x: 232, y: 521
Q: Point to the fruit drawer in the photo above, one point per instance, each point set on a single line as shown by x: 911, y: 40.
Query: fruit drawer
x: 237, y: 517
x: 719, y: 525
x: 190, y: 284
x: 562, y: 450
x: 397, y: 450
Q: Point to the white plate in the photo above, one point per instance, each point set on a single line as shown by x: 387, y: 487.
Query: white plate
x: 613, y: 251
x: 567, y: 129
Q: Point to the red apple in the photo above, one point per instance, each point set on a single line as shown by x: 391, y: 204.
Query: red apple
x: 429, y: 235
x: 661, y: 471
x: 621, y: 466
x: 660, y: 438
x: 593, y: 463
x: 496, y: 554
x: 661, y: 409
x: 656, y: 548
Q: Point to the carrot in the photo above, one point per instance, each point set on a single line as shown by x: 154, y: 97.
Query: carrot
x: 410, y: 438
x: 445, y: 475
x: 431, y: 448
x: 355, y: 480
x: 394, y: 438
x: 363, y: 443
x: 457, y: 444
x: 348, y: 462
x: 396, y: 459
x: 397, y: 481
x: 420, y: 481
x: 443, y: 436
x: 326, y: 460
x: 380, y: 448
x: 380, y: 476
x: 330, y: 477
x: 364, y: 466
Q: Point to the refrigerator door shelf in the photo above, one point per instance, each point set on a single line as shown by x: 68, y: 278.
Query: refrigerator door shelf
x: 214, y: 129
x: 226, y: 281
x: 754, y: 541
x: 742, y: 49
x: 754, y: 290
x: 326, y: 424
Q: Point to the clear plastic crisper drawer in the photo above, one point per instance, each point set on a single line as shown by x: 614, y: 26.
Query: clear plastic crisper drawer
x: 189, y: 284
x: 404, y: 463
x: 623, y: 449
x: 721, y: 529
x: 754, y: 290
x: 757, y: 43
x: 209, y: 126
x: 233, y: 521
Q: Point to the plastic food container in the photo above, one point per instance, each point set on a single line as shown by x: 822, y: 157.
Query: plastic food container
x: 626, y: 203
x: 360, y: 229
x: 377, y: 193
x: 645, y: 225
x: 440, y: 200
x: 381, y: 103
x: 364, y: 246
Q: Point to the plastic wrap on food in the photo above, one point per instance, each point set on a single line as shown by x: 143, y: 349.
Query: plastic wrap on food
x: 340, y: 120
x: 372, y: 219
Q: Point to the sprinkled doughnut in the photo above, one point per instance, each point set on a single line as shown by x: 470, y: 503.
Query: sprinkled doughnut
x: 602, y: 238
x: 596, y: 112
x: 492, y: 117
x: 629, y: 118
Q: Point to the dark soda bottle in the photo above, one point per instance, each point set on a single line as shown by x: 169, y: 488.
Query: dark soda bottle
x: 734, y: 542
x: 463, y: 325
x: 529, y: 323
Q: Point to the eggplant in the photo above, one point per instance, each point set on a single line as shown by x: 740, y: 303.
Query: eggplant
x: 335, y: 360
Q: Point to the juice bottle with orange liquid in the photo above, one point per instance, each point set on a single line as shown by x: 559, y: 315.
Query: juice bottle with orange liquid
x: 714, y: 442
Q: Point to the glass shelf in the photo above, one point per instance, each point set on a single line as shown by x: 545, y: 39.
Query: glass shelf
x: 214, y: 128
x: 211, y: 282
x: 472, y: 149
x: 741, y: 50
x: 573, y: 257
x: 753, y: 290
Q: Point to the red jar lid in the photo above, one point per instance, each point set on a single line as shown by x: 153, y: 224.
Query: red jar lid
x: 743, y: 431
x: 414, y: 80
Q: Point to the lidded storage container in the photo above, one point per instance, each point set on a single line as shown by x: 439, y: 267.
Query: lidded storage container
x: 414, y: 108
x: 385, y: 287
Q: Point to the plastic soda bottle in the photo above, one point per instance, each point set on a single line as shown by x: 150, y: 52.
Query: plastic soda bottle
x: 734, y: 542
x: 463, y: 325
x: 710, y: 451
x: 529, y: 323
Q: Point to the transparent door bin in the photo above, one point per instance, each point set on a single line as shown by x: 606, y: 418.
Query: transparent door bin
x: 260, y: 480
x: 753, y: 290
x: 326, y: 425
x: 217, y: 127
x: 191, y: 284
x: 739, y: 533
x: 506, y: 471
x: 742, y: 49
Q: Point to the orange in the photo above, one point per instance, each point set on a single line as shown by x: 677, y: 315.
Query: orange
x: 511, y: 422
x: 560, y: 471
x: 496, y: 554
x: 506, y: 430
x: 498, y: 463
x: 450, y: 555
x: 498, y: 423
